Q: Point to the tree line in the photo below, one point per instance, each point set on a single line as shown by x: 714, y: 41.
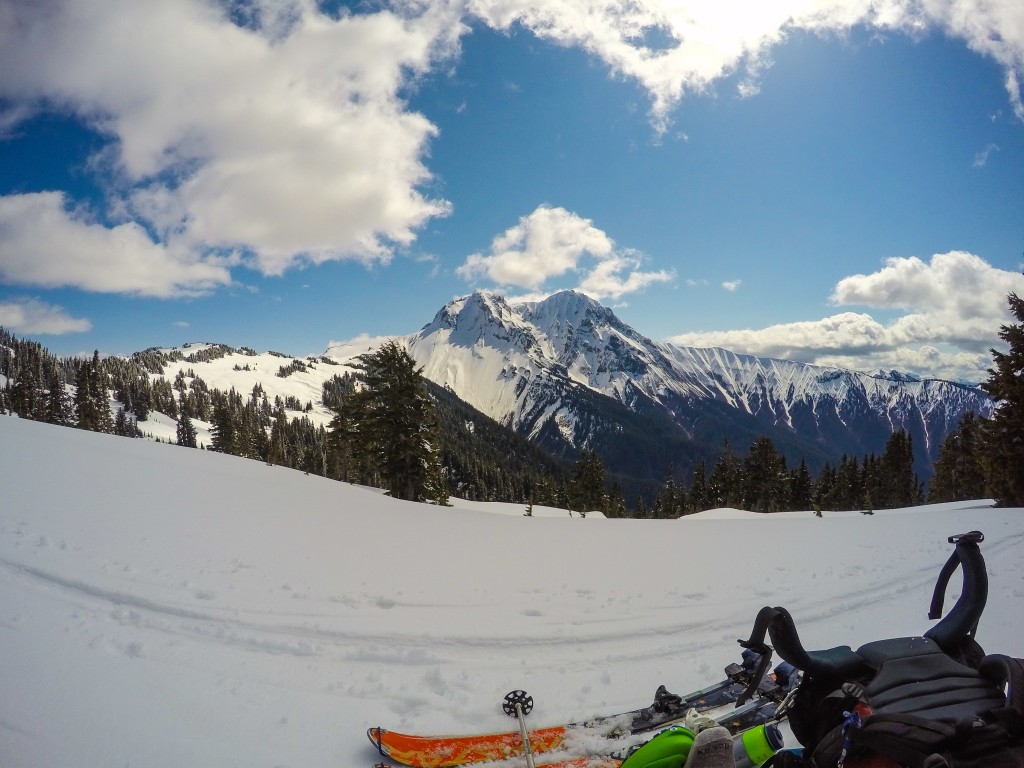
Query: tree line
x: 393, y: 429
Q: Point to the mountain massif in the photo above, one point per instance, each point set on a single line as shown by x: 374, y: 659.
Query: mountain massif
x: 568, y: 374
x: 565, y: 374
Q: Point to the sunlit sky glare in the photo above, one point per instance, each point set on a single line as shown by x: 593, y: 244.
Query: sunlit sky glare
x: 838, y: 183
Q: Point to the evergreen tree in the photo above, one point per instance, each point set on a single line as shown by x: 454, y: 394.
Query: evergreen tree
x: 85, y: 408
x: 764, y: 478
x: 395, y: 425
x: 340, y: 435
x: 125, y: 424
x: 27, y: 397
x: 959, y: 469
x: 667, y: 505
x: 1004, y: 433
x: 900, y: 486
x: 800, y: 488
x: 58, y: 405
x: 279, y: 448
x: 224, y: 424
x: 697, y: 499
x: 642, y: 513
x: 726, y: 484
x: 586, y: 484
x: 186, y: 432
x: 92, y: 398
x: 616, y: 502
x: 100, y: 394
x: 824, y: 487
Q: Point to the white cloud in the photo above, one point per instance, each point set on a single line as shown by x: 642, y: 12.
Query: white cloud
x: 43, y: 244
x: 34, y: 316
x: 848, y: 333
x: 981, y: 159
x: 287, y: 140
x: 956, y: 296
x: 952, y: 308
x: 547, y: 243
x: 732, y: 285
x: 714, y: 38
x: 551, y: 242
x: 620, y: 274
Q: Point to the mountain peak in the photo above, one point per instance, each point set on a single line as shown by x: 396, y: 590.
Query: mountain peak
x: 566, y: 312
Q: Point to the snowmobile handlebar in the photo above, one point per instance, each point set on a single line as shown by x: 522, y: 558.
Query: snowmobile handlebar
x: 843, y: 663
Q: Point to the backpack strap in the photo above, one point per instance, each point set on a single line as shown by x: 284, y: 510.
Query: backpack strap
x: 962, y: 620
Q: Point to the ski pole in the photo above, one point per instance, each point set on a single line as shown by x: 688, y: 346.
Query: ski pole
x: 519, y: 704
x: 527, y: 749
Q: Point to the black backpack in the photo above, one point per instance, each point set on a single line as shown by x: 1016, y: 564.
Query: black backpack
x: 935, y: 701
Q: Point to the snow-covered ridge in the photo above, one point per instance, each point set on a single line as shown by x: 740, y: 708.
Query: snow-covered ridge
x: 537, y: 367
x: 516, y: 361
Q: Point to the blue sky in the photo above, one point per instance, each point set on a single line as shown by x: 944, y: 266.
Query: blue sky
x: 832, y: 182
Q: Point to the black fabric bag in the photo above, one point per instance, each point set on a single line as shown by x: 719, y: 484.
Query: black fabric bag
x: 934, y: 701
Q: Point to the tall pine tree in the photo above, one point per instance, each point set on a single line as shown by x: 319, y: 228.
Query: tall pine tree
x: 899, y: 485
x: 1004, y: 433
x: 586, y: 484
x: 92, y: 397
x: 186, y: 432
x: 959, y: 470
x: 395, y: 426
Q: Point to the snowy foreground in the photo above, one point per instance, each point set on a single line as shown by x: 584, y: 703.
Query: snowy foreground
x: 161, y: 606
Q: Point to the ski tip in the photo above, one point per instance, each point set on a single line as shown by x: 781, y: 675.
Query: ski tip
x: 374, y: 735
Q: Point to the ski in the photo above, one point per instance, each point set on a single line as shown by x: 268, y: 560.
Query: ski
x: 759, y: 711
x: 667, y: 708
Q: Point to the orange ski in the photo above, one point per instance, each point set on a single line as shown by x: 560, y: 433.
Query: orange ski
x: 444, y: 751
x: 668, y: 708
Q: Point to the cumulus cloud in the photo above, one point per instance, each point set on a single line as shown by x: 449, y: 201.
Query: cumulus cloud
x: 619, y: 274
x: 551, y: 242
x: 956, y: 297
x: 33, y: 316
x: 950, y: 309
x: 732, y: 285
x: 44, y: 244
x: 710, y: 39
x: 847, y: 333
x: 284, y: 138
x: 278, y: 132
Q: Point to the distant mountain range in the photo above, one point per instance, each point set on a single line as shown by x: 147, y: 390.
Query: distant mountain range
x: 568, y: 374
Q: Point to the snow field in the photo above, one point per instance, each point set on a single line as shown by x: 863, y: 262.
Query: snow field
x: 161, y: 606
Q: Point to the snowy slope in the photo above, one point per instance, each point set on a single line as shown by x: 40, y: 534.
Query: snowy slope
x: 161, y: 606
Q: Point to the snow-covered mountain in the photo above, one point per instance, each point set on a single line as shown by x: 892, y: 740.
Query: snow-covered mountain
x: 569, y: 374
